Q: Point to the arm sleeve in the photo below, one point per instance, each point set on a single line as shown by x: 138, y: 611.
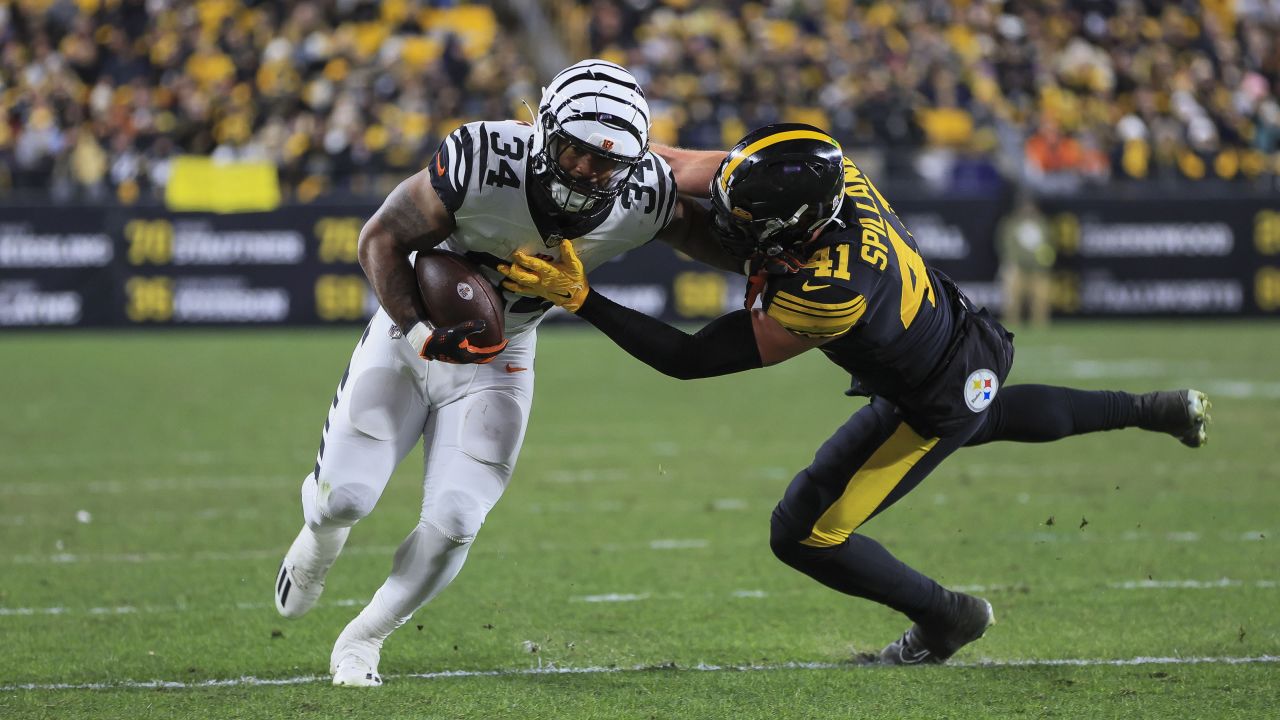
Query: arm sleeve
x: 727, y: 345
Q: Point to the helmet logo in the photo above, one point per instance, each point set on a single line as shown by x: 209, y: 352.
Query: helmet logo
x: 741, y: 214
x: 602, y: 141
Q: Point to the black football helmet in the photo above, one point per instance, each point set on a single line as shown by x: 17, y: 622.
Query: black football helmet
x: 777, y: 187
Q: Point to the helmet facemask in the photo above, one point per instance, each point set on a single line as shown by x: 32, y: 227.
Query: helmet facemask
x: 752, y: 239
x: 571, y: 194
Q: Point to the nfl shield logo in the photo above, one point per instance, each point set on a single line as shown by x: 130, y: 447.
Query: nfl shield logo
x: 980, y: 389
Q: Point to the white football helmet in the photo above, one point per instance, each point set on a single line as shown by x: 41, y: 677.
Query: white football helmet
x: 598, y: 107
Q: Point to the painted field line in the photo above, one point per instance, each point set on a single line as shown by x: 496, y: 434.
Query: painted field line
x: 154, y: 517
x: 146, y: 609
x: 620, y: 597
x: 249, y: 680
x: 65, y: 558
x: 1191, y: 584
x: 164, y: 484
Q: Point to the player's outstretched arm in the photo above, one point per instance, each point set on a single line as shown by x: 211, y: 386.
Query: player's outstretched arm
x: 411, y: 218
x: 690, y: 232
x: 738, y: 341
x: 693, y: 169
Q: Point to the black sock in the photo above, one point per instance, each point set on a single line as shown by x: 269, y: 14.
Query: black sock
x: 1041, y: 413
x: 863, y: 567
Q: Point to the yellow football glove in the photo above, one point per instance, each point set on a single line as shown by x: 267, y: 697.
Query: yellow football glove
x: 563, y: 283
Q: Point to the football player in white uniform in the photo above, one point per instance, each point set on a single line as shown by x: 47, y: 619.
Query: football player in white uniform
x: 584, y: 172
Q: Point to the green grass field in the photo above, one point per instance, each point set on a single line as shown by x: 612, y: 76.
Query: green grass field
x: 149, y: 485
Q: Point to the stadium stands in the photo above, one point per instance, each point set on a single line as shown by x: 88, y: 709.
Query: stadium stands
x: 346, y: 96
x: 1061, y: 93
x: 98, y: 96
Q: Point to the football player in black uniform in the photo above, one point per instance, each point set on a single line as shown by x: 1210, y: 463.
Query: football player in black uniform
x: 836, y: 269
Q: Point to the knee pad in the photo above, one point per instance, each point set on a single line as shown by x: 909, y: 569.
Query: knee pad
x: 457, y: 514
x: 492, y: 429
x: 380, y: 399
x: 346, y: 504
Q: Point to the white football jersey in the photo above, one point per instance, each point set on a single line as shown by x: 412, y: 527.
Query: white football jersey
x: 481, y: 173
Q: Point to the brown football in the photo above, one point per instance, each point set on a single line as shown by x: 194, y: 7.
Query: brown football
x: 455, y: 291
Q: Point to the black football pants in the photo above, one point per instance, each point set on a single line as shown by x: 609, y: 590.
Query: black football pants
x: 876, y: 458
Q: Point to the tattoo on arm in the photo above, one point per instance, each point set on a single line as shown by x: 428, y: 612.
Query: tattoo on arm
x: 411, y: 218
x: 401, y: 216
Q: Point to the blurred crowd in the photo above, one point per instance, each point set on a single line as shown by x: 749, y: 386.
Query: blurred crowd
x: 1058, y: 93
x: 98, y: 96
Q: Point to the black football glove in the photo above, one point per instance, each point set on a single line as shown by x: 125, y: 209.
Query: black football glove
x: 452, y: 344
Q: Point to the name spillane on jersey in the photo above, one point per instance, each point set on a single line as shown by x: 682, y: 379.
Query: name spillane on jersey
x: 481, y: 173
x: 866, y: 286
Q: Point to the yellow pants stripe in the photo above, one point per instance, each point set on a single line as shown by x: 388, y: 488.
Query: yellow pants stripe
x: 870, y: 486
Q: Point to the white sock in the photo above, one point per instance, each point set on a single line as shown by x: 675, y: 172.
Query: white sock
x: 425, y: 563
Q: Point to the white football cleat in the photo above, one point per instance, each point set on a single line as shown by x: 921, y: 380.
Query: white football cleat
x: 301, y: 577
x: 355, y: 664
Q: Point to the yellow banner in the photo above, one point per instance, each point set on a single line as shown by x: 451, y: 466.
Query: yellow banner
x: 202, y: 184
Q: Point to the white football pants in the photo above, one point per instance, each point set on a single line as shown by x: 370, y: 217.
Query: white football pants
x: 472, y: 420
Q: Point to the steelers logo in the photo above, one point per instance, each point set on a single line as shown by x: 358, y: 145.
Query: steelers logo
x: 980, y: 389
x: 465, y: 291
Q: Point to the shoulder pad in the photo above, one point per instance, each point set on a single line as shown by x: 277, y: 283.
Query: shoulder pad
x: 813, y: 306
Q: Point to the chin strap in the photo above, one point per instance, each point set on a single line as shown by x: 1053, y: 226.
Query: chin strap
x: 760, y: 266
x: 755, y: 286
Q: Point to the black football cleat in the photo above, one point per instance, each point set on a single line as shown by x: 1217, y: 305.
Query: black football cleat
x: 934, y: 646
x: 1183, y: 414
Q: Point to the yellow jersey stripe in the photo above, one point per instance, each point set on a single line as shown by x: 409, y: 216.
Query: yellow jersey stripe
x: 763, y: 143
x: 873, y: 482
x: 814, y: 305
x: 855, y: 311
x: 851, y: 314
x: 811, y: 325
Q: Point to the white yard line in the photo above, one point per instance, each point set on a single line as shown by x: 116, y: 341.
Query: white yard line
x: 665, y: 544
x: 1191, y: 584
x: 165, y: 484
x: 622, y: 597
x: 66, y: 558
x: 612, y: 597
x: 671, y: 667
x: 1249, y: 389
x: 679, y: 544
x: 154, y: 517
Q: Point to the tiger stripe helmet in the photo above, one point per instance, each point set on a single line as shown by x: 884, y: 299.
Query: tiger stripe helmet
x: 596, y: 106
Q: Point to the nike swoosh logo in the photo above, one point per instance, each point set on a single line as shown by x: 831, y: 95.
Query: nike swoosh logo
x: 515, y: 368
x: 439, y: 167
x: 566, y: 296
x: 807, y: 286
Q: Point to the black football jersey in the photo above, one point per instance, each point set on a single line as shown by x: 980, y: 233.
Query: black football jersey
x: 866, y: 285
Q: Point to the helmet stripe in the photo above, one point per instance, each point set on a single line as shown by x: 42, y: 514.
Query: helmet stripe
x: 594, y: 76
x: 763, y: 143
x: 598, y: 94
